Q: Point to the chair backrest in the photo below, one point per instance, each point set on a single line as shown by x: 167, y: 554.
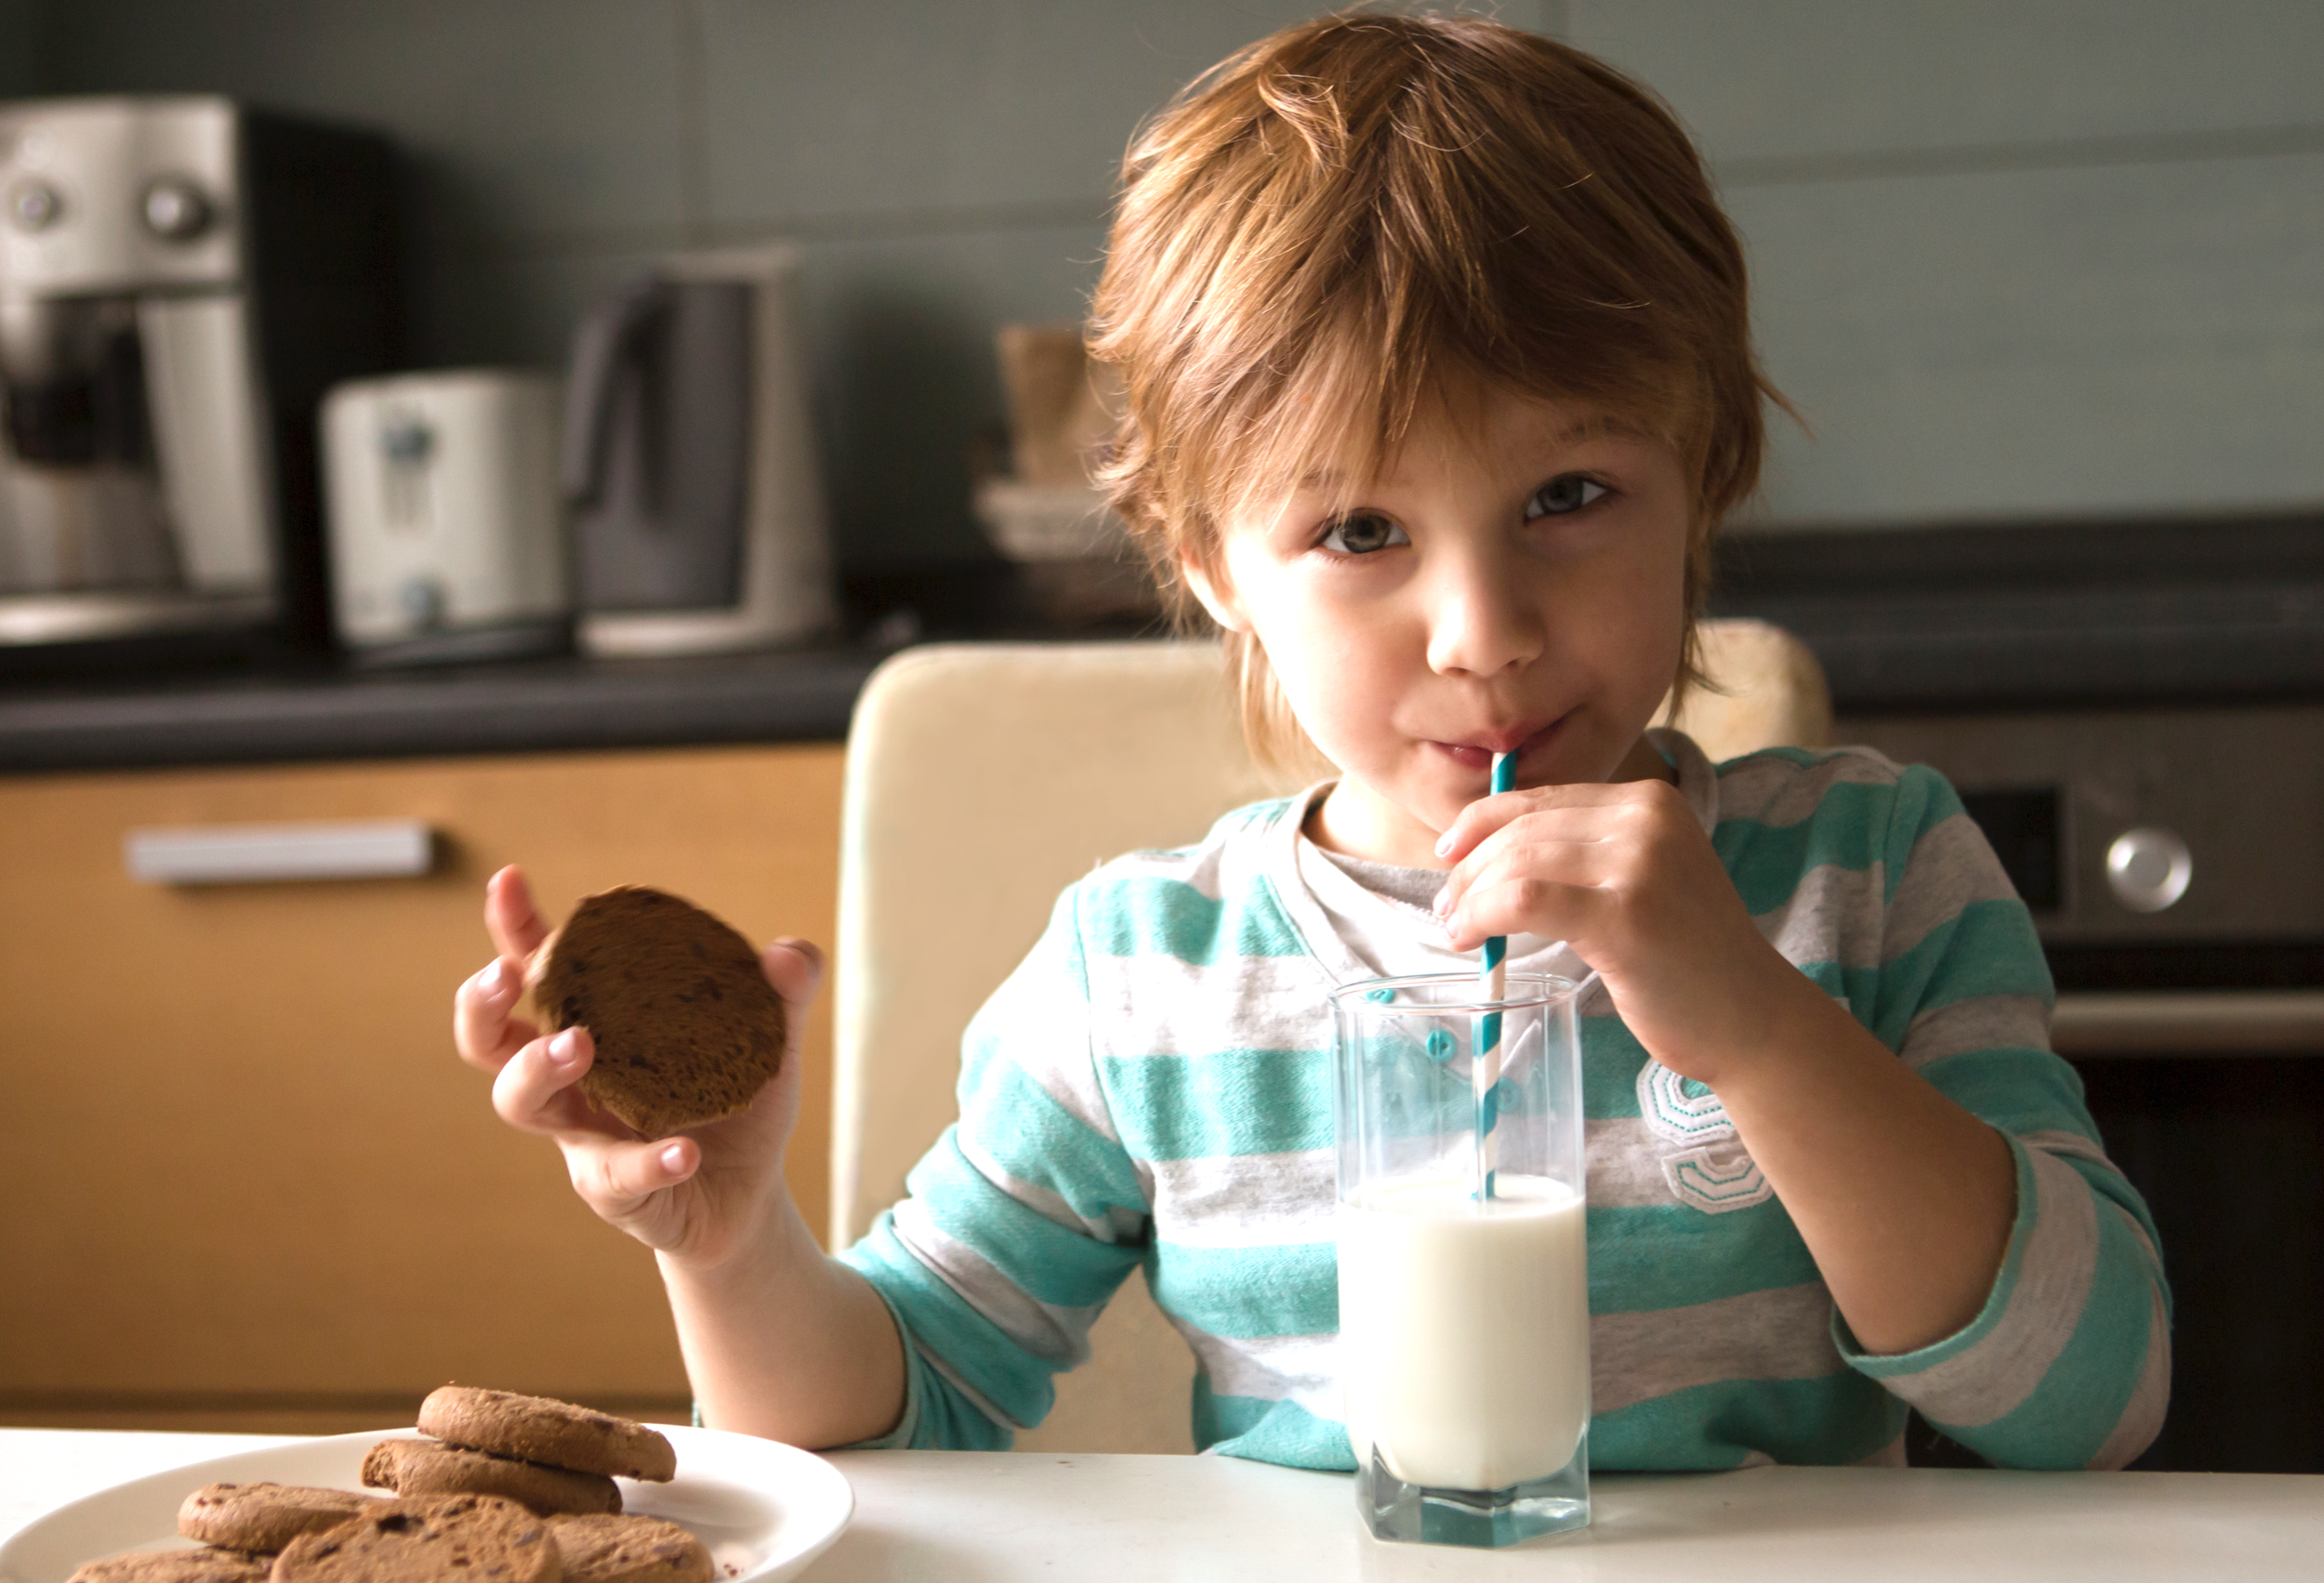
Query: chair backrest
x: 982, y: 779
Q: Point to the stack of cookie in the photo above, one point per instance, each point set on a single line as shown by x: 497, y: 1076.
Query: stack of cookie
x: 513, y: 1489
x: 558, y: 1461
x: 552, y: 1458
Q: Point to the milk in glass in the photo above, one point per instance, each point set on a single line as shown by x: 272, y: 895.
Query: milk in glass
x: 1464, y: 1330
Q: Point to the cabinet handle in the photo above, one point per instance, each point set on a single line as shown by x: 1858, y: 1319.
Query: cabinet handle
x: 2247, y: 1022
x: 259, y: 854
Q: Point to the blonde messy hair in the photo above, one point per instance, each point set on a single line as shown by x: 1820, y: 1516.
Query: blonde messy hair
x: 1364, y: 214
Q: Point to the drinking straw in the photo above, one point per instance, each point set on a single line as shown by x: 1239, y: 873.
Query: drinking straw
x: 1486, y: 1070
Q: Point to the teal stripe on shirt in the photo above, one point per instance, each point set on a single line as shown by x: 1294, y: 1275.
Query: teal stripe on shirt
x: 1023, y: 1130
x: 1281, y: 1290
x: 1232, y: 1101
x: 1644, y: 1259
x: 1987, y: 948
x: 946, y: 1326
x: 1058, y: 1265
x: 2109, y: 1343
x: 1267, y: 1431
x: 1149, y: 916
x: 1835, y: 1418
x: 1766, y: 861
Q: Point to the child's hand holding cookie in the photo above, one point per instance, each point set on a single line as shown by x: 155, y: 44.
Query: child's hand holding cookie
x: 695, y: 1197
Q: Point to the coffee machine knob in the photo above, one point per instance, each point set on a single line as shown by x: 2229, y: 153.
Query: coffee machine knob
x: 175, y: 209
x: 2148, y: 868
x: 34, y: 205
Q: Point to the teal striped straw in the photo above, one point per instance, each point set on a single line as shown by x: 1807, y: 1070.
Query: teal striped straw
x: 1486, y: 1069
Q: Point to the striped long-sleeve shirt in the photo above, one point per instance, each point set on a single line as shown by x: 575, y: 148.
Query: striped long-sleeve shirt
x: 1151, y: 1087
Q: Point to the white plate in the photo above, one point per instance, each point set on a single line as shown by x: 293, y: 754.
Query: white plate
x: 764, y: 1509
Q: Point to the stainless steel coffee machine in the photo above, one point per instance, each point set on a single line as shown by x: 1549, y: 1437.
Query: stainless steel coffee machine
x: 181, y: 279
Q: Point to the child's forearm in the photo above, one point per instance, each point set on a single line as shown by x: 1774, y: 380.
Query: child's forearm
x: 785, y: 1342
x: 1904, y: 1198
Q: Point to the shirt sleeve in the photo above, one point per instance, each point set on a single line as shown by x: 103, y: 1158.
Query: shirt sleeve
x: 2068, y: 1362
x: 1019, y: 1225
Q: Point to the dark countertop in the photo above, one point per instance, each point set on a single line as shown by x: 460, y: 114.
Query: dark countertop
x: 2045, y: 615
x: 537, y: 705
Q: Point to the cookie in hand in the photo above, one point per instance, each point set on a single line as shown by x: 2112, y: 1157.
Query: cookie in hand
x: 687, y: 1028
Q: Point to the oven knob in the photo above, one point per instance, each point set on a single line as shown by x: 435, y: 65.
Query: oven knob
x: 175, y: 209
x: 34, y: 206
x: 2148, y: 868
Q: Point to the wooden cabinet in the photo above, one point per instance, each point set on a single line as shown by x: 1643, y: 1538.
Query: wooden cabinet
x: 249, y: 1183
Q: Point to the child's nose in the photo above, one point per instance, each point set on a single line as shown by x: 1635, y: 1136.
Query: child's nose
x: 1481, y: 620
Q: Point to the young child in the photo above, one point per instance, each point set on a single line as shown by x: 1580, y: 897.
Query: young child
x: 1438, y: 384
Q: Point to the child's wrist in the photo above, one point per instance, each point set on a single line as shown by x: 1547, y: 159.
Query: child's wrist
x: 1780, y: 1041
x: 768, y: 1229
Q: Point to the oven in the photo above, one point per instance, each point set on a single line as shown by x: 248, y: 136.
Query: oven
x: 2134, y: 711
x: 2173, y: 860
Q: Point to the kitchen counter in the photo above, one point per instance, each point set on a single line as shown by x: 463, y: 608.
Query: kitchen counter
x: 541, y: 706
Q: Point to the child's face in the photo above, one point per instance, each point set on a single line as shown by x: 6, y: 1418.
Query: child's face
x: 1513, y: 583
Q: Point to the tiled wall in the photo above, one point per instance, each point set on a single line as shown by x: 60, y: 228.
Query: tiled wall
x: 2018, y: 257
x: 2014, y: 256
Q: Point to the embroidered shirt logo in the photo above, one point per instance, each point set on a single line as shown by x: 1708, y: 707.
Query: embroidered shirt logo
x: 1712, y: 1172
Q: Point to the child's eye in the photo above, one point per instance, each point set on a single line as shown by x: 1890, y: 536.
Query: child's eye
x: 1566, y: 492
x: 1362, y: 533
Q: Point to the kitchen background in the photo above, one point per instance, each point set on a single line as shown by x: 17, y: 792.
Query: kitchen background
x: 2014, y: 259
x: 2044, y: 276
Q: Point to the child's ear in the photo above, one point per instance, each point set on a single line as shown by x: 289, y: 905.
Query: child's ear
x: 1216, y: 594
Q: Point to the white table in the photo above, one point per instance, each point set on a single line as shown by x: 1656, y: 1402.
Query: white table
x: 964, y: 1517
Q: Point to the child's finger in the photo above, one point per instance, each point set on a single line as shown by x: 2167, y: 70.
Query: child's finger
x: 1524, y: 904
x: 615, y: 1179
x: 795, y: 967
x: 1473, y: 823
x: 482, y: 1030
x: 1564, y: 848
x: 535, y: 1092
x: 1510, y: 844
x: 510, y: 917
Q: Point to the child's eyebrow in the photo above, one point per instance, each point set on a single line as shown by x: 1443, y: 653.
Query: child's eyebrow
x: 1326, y: 478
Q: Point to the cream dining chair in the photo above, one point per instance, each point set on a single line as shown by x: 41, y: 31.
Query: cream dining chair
x: 982, y: 779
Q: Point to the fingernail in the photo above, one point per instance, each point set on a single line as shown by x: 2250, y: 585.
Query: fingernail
x: 493, y: 982
x: 1444, y: 843
x: 673, y: 1159
x: 1441, y: 900
x: 565, y: 1049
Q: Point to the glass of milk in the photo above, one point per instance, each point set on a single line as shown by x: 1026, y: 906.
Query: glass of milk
x: 1464, y: 1289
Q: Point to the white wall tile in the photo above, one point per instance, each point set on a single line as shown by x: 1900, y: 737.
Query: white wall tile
x: 2132, y: 338
x: 888, y: 106
x: 1760, y: 79
x: 526, y: 119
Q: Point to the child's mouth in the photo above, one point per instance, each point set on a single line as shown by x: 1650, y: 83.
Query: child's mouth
x: 1478, y: 756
